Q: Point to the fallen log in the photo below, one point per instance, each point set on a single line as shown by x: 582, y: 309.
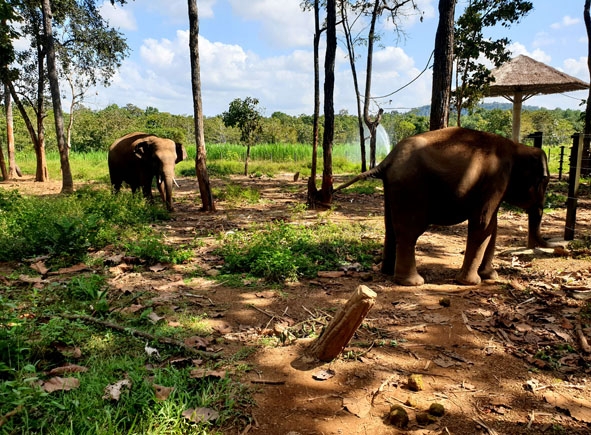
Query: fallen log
x: 343, y: 325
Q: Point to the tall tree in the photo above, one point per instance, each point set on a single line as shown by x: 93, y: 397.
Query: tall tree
x: 201, y: 155
x: 374, y: 10
x: 13, y: 170
x: 58, y: 116
x: 245, y: 115
x: 586, y: 170
x: 442, y: 66
x: 351, y: 42
x: 472, y: 76
x: 325, y: 194
x: 312, y: 189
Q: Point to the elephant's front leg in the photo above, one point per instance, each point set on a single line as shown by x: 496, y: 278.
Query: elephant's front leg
x: 160, y: 185
x: 481, y: 240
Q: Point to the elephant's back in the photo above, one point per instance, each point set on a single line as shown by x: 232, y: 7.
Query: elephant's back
x: 127, y: 140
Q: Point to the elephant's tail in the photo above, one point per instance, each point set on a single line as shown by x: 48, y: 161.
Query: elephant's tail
x: 372, y: 173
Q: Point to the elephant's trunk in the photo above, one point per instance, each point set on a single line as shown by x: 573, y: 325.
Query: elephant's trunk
x: 534, y: 235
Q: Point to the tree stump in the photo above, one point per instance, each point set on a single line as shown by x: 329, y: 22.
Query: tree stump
x: 341, y: 328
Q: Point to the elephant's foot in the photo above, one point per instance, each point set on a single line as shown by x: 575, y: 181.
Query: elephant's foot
x: 488, y: 274
x: 468, y: 279
x: 409, y: 280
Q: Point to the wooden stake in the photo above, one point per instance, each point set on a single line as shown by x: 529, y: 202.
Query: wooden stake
x: 341, y: 328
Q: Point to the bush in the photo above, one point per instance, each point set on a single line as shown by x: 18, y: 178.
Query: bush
x: 280, y: 251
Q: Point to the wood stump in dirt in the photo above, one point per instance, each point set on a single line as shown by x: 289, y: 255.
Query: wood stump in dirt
x: 341, y: 328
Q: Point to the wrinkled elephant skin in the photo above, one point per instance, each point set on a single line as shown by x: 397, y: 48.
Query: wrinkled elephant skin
x: 446, y: 177
x: 139, y: 157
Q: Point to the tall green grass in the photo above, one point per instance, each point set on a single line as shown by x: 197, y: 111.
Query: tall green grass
x: 228, y: 159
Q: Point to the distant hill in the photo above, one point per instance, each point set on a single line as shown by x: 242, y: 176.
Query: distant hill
x: 426, y: 110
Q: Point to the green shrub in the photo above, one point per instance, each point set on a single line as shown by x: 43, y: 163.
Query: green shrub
x: 281, y: 251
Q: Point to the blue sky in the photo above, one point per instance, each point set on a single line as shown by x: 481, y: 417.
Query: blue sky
x: 263, y: 49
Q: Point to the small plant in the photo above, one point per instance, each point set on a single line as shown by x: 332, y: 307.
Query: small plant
x: 237, y: 194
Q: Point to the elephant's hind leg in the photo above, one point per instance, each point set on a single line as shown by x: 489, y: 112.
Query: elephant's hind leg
x: 479, y: 252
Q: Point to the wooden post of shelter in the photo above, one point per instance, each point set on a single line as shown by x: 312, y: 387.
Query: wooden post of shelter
x: 538, y: 138
x: 343, y: 325
x: 574, y: 175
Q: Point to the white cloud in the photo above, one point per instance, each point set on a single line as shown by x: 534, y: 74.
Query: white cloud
x: 283, y: 23
x: 565, y: 22
x: 540, y: 55
x: 577, y: 67
x: 157, y: 53
x: 118, y: 17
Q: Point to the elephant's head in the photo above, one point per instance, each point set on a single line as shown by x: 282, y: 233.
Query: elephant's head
x: 159, y: 156
x: 527, y: 189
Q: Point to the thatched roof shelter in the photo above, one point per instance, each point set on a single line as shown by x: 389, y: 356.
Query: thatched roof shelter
x: 523, y: 77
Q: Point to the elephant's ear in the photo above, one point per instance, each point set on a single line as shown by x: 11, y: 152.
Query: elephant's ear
x: 181, y: 152
x: 141, y: 150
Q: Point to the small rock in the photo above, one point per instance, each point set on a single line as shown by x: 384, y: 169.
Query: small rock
x: 397, y: 417
x: 436, y: 409
x: 445, y: 302
x: 410, y: 401
x: 415, y: 382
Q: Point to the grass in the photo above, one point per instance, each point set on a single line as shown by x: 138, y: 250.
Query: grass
x: 280, y: 251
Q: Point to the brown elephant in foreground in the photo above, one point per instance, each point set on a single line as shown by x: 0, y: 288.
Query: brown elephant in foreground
x: 448, y: 176
x: 137, y: 158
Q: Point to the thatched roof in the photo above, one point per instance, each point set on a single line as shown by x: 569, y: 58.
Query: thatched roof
x: 530, y: 77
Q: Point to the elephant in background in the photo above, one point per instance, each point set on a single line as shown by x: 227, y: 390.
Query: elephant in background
x: 137, y: 158
x: 448, y: 176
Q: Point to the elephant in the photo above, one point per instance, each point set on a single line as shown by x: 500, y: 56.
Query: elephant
x: 448, y: 176
x: 137, y: 158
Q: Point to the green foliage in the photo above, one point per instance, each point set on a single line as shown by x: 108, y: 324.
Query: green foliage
x: 65, y: 227
x: 244, y: 115
x: 470, y: 44
x: 280, y: 251
x: 152, y: 249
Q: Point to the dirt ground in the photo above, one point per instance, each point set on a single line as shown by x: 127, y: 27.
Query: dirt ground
x: 503, y: 357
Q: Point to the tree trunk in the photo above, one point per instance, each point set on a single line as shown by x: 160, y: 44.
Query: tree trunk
x: 442, y: 66
x: 12, y: 169
x: 312, y: 190
x: 247, y: 159
x: 586, y: 166
x: 67, y: 181
x: 328, y: 138
x: 371, y: 125
x: 201, y: 154
x: 39, y: 146
x: 351, y: 53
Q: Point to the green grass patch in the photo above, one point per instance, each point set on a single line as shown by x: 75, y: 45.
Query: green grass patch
x: 66, y: 227
x: 281, y: 251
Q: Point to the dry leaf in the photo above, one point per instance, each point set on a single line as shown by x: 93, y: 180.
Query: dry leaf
x: 113, y: 391
x: 197, y: 342
x: 223, y: 328
x: 60, y: 384
x: 158, y: 267
x: 162, y: 393
x: 134, y: 308
x: 154, y: 318
x: 69, y: 351
x: 323, y: 375
x: 199, y: 415
x: 30, y: 280
x: 357, y: 406
x: 40, y: 267
x: 71, y: 368
x: 203, y: 373
x: 579, y: 409
x: 73, y: 269
x: 266, y: 295
x: 330, y: 274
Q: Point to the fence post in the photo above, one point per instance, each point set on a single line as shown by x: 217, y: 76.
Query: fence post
x: 537, y: 137
x: 561, y: 162
x: 574, y: 176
